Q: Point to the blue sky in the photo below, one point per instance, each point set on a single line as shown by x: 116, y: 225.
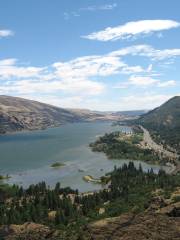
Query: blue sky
x: 101, y: 55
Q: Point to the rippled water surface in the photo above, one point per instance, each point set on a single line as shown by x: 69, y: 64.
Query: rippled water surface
x: 27, y: 157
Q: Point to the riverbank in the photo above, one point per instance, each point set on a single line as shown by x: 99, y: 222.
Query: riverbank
x: 89, y: 178
x: 120, y: 145
x: 103, y: 180
x: 173, y: 157
x: 137, y: 145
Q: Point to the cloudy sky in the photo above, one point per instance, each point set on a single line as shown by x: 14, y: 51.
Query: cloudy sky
x: 96, y: 54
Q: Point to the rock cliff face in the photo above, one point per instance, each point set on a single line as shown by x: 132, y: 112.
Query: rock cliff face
x: 17, y: 114
x: 142, y: 227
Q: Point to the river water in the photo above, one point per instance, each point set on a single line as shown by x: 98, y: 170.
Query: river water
x: 27, y: 156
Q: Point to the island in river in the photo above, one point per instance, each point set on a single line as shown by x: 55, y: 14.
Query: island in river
x: 2, y: 177
x: 57, y: 165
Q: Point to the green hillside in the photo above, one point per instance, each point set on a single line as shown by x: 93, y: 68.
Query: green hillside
x: 164, y: 122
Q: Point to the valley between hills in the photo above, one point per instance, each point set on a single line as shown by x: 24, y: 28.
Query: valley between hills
x: 18, y: 114
x: 133, y: 204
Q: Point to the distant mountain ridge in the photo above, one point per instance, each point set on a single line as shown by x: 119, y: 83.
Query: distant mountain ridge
x: 133, y: 113
x: 164, y: 122
x: 18, y: 114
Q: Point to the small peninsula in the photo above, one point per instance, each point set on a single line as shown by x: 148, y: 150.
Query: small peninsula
x: 89, y: 178
x: 119, y: 145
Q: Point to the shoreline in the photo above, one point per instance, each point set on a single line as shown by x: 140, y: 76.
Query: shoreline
x: 147, y: 139
x: 51, y: 127
x: 9, y: 133
x: 170, y: 169
x: 89, y: 178
x: 81, y: 176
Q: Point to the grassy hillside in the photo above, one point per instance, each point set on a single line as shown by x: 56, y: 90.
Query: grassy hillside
x: 164, y: 122
x: 21, y: 114
x: 17, y: 114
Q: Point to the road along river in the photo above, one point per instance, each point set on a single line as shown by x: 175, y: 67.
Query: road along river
x: 149, y: 142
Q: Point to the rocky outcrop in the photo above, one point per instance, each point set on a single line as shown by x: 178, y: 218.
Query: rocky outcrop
x: 27, y: 231
x: 172, y: 210
x: 161, y: 221
x: 140, y: 227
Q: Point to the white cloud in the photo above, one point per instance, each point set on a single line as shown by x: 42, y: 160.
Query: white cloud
x: 108, y: 6
x: 163, y: 54
x: 167, y: 83
x: 81, y: 87
x: 100, y: 7
x: 68, y: 15
x: 6, y: 33
x: 142, y: 80
x: 149, y: 69
x: 94, y: 66
x: 92, y: 8
x: 145, y: 101
x: 129, y: 102
x: 83, y: 78
x: 83, y: 68
x: 132, y: 29
x: 147, y: 51
x: 64, y: 102
x: 78, y: 76
x: 70, y: 77
x: 9, y: 68
x: 8, y: 62
x: 81, y: 75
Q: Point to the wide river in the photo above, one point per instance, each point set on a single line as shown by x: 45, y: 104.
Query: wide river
x: 27, y: 156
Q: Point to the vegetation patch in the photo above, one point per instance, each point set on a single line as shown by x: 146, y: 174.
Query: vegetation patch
x: 118, y: 145
x: 2, y: 177
x: 129, y: 189
x: 57, y: 165
x: 163, y: 123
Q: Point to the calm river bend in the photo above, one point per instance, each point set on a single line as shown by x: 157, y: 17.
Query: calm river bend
x: 27, y: 156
